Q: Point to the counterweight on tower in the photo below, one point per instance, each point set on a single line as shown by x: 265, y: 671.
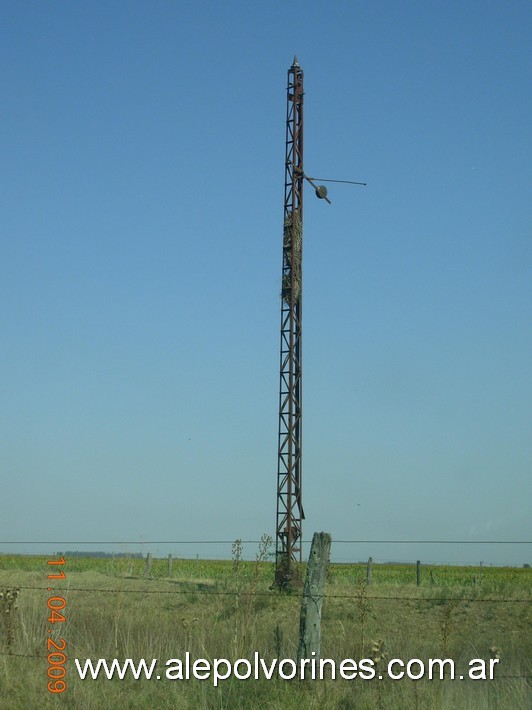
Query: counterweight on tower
x: 289, y: 504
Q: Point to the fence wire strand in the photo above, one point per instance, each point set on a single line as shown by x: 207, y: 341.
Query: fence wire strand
x: 256, y: 542
x: 277, y: 595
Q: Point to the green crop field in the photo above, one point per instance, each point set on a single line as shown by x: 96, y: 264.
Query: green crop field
x: 226, y: 609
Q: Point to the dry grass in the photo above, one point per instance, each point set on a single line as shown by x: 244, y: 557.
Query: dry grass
x: 231, y: 613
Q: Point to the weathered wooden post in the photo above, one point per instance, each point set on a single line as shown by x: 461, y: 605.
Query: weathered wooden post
x: 310, y: 619
x: 368, y: 572
x: 148, y: 564
x: 169, y: 565
x: 418, y: 573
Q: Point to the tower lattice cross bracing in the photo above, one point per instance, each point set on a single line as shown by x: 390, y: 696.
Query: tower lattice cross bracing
x: 289, y: 482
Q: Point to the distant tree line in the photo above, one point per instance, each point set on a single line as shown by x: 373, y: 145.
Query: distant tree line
x: 76, y: 553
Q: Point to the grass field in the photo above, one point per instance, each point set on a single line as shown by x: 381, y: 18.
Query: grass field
x: 225, y: 609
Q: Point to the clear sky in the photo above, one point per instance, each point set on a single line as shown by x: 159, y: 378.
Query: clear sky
x: 142, y: 153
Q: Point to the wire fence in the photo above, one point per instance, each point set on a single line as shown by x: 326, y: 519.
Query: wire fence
x: 282, y: 595
x: 196, y: 589
x: 256, y: 542
x: 508, y: 551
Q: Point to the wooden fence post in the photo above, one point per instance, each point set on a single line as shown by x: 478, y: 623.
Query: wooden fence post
x: 169, y: 565
x: 418, y: 573
x: 148, y: 564
x: 368, y: 573
x: 310, y: 618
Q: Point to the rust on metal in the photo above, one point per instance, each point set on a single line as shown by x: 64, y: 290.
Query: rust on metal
x: 288, y: 552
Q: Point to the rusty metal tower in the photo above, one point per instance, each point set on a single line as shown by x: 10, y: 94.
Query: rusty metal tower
x: 290, y: 513
x: 289, y: 504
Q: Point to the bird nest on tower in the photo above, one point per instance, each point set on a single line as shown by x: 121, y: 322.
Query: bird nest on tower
x: 292, y: 254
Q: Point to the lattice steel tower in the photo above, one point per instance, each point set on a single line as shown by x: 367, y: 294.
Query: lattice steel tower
x: 289, y: 504
x: 290, y: 513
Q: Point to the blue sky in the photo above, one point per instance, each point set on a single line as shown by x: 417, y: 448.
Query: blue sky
x: 142, y: 147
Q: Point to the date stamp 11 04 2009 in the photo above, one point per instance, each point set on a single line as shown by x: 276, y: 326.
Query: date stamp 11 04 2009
x: 55, y: 644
